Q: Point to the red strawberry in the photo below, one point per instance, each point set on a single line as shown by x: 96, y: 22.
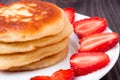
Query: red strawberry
x: 41, y: 78
x: 63, y: 75
x: 1, y: 4
x: 89, y: 26
x: 70, y: 13
x: 86, y: 62
x: 98, y: 42
x: 67, y: 74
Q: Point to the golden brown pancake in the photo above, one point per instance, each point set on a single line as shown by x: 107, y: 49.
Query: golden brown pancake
x: 33, y: 34
x: 23, y: 21
x: 45, y: 62
x: 13, y: 47
x: 13, y: 60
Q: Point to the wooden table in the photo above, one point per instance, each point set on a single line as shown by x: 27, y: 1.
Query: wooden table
x: 109, y: 9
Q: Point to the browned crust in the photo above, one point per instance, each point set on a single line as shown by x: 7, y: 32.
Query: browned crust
x: 42, y: 14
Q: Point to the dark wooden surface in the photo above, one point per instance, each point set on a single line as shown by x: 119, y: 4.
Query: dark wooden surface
x: 109, y: 9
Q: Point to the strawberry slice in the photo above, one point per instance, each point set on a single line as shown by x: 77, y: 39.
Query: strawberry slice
x: 63, y: 75
x: 1, y: 4
x: 67, y: 74
x: 86, y: 62
x: 41, y: 78
x: 98, y: 42
x: 70, y: 13
x: 89, y: 26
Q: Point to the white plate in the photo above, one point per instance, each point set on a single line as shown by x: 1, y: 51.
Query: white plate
x: 113, y: 54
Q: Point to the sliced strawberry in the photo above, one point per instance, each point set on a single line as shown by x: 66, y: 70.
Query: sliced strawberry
x: 86, y: 62
x: 89, y: 26
x: 70, y: 13
x: 41, y: 78
x: 63, y: 75
x: 1, y: 4
x: 99, y: 42
x: 67, y: 74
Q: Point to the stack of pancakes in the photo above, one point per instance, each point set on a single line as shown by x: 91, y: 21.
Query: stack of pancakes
x: 33, y: 35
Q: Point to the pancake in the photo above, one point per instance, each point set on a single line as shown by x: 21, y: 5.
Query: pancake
x: 43, y: 63
x: 29, y: 20
x: 13, y: 47
x: 13, y: 60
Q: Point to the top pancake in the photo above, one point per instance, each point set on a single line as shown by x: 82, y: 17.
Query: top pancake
x: 23, y: 21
